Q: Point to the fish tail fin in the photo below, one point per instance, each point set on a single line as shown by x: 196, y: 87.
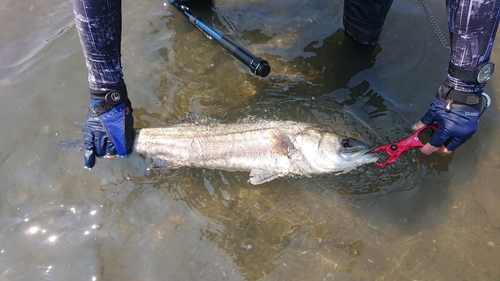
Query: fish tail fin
x: 159, y: 163
x: 71, y: 144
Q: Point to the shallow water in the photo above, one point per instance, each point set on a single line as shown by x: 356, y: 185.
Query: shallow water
x: 421, y: 218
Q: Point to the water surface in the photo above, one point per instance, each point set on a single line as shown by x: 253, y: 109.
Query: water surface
x: 421, y: 218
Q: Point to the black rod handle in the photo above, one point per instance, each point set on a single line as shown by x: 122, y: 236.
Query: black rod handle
x: 257, y: 65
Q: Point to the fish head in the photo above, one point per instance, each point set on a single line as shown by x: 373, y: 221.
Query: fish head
x: 354, y: 152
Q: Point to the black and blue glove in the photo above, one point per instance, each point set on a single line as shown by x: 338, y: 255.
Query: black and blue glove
x: 109, y: 126
x: 456, y: 120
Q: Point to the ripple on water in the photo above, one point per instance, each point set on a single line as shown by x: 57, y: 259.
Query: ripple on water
x: 55, y: 237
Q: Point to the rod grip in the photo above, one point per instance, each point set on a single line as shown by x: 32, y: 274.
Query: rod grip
x: 256, y: 64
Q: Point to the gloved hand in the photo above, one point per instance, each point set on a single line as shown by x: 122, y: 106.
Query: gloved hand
x: 456, y: 123
x: 108, y: 131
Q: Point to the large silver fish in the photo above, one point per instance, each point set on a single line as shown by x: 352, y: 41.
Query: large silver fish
x: 267, y: 149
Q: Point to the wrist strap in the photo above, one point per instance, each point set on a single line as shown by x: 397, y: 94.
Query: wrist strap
x: 463, y: 97
x: 112, y: 97
x: 447, y: 92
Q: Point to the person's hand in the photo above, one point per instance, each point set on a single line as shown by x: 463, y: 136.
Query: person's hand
x: 108, y: 131
x: 454, y: 126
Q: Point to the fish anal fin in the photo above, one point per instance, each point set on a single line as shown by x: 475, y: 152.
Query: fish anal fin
x: 281, y: 141
x: 259, y: 176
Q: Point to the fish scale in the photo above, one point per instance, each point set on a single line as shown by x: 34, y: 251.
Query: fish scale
x: 215, y: 146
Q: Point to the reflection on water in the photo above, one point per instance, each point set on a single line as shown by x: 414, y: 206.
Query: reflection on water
x: 420, y: 218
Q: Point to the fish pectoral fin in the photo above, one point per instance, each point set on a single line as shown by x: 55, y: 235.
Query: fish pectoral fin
x: 259, y: 176
x: 299, y: 163
x: 295, y: 155
x: 281, y: 141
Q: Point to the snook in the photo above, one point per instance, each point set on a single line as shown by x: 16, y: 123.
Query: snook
x: 267, y: 149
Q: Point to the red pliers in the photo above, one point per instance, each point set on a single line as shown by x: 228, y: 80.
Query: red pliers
x: 394, y: 150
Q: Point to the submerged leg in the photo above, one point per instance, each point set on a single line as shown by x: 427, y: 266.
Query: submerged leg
x: 364, y: 19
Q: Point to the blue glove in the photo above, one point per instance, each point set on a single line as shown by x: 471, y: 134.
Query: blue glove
x: 457, y: 122
x: 108, y: 131
x: 455, y: 126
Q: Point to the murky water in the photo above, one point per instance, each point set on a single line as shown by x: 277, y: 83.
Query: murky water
x: 422, y: 218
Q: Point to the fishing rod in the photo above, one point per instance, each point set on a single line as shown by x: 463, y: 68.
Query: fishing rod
x: 256, y: 64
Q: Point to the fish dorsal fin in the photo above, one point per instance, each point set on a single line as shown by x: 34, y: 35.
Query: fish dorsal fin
x: 259, y: 176
x: 281, y: 141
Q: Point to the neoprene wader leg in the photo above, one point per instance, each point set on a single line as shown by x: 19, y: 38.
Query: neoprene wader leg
x: 364, y: 19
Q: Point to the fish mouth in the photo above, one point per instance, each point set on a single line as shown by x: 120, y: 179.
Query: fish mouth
x: 372, y: 157
x: 364, y: 155
x: 354, y: 150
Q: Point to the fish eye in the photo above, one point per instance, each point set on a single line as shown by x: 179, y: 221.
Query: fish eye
x: 346, y: 143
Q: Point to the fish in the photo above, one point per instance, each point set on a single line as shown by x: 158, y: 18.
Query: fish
x: 267, y: 149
